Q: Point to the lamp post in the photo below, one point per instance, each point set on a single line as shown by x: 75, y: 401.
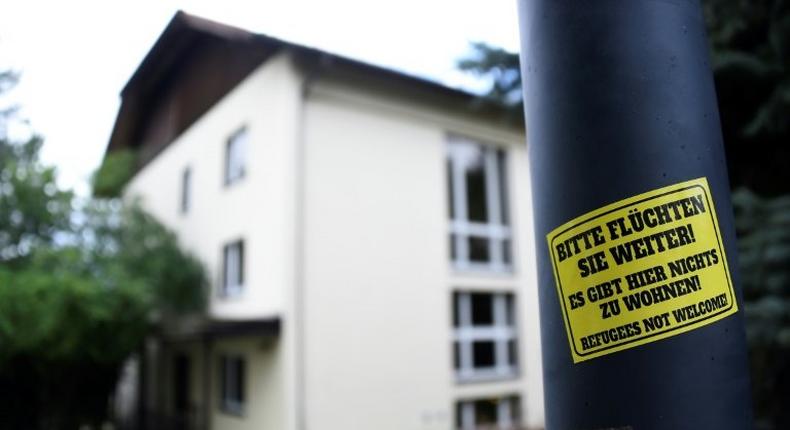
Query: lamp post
x: 641, y: 311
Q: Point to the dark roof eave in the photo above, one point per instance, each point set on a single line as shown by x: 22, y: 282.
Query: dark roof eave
x: 184, y: 28
x: 212, y: 329
x: 182, y: 21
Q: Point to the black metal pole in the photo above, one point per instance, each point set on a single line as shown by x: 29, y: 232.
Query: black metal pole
x: 622, y: 121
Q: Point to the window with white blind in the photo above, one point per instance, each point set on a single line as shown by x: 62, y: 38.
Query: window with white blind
x: 232, y: 369
x: 480, y: 234
x: 484, y: 336
x: 236, y: 156
x: 186, y: 189
x: 233, y: 269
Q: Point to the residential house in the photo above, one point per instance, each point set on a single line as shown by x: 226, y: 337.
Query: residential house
x: 368, y: 236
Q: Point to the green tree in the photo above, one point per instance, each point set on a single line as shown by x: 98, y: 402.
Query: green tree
x: 763, y: 227
x: 114, y: 173
x: 501, y: 69
x: 82, y: 281
x: 750, y: 50
x: 750, y: 43
x: 750, y: 54
x: 32, y: 208
x: 71, y: 314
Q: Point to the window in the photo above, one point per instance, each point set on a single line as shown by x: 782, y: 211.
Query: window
x: 502, y: 414
x: 235, y: 155
x: 181, y: 370
x: 231, y: 383
x: 233, y: 268
x: 484, y: 343
x: 186, y: 189
x: 480, y: 237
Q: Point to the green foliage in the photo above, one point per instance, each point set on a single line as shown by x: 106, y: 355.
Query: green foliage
x: 751, y: 40
x: 501, y: 68
x: 81, y: 284
x: 8, y: 79
x: 763, y: 226
x: 32, y: 208
x: 130, y: 238
x: 52, y: 309
x: 751, y: 53
x: 116, y: 170
x: 151, y: 251
x: 71, y: 314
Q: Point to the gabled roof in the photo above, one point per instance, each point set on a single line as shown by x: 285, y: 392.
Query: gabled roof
x: 184, y: 26
x: 187, y: 35
x: 180, y: 31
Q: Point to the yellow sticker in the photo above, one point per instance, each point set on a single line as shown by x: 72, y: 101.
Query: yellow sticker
x: 641, y: 270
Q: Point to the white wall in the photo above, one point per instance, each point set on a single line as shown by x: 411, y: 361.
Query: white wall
x: 375, y: 277
x: 256, y: 208
x: 259, y: 208
x: 529, y: 309
x: 265, y: 405
x: 378, y: 281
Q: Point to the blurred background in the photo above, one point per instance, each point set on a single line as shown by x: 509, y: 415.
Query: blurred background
x: 311, y: 214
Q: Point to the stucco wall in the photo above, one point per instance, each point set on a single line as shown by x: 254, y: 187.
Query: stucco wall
x: 256, y: 208
x: 378, y: 279
x: 265, y: 406
x: 259, y: 208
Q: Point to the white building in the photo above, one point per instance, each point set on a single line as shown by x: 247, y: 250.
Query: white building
x: 368, y: 235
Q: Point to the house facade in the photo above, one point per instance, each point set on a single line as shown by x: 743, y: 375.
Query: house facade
x: 368, y: 237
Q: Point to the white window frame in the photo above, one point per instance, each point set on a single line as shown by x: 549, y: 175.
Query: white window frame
x: 230, y: 366
x: 236, y: 155
x: 232, y: 276
x: 465, y: 334
x: 495, y: 231
x: 506, y: 419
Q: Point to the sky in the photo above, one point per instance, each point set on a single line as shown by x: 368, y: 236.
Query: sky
x: 75, y: 56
